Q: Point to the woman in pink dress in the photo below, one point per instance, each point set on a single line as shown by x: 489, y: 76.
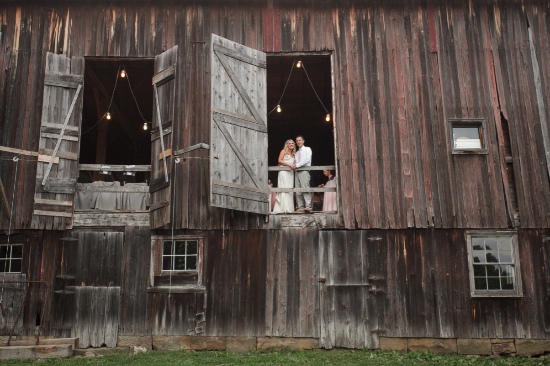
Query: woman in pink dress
x: 329, y: 200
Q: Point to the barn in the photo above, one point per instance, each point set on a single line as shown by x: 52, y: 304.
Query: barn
x: 139, y: 143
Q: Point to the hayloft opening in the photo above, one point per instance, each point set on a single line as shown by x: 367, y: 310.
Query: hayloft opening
x: 128, y: 100
x: 305, y: 99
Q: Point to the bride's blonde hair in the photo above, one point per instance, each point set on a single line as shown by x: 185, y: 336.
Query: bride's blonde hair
x: 286, y: 148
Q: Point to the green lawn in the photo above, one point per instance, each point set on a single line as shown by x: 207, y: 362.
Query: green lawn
x: 315, y: 357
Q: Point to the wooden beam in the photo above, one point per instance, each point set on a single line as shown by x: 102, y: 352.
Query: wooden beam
x: 89, y: 187
x: 159, y: 123
x: 5, y: 199
x: 319, y: 167
x: 114, y: 168
x: 201, y: 145
x: 18, y: 151
x: 166, y: 154
x: 164, y: 76
x: 540, y: 101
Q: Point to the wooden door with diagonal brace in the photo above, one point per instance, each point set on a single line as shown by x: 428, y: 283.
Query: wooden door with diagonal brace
x: 238, y: 153
x: 57, y: 168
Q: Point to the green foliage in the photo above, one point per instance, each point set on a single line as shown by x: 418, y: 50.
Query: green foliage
x: 314, y: 357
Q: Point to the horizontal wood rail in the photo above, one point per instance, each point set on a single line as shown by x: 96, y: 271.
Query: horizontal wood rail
x: 114, y: 168
x: 308, y: 168
x: 320, y: 167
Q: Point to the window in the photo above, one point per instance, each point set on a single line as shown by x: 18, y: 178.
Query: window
x: 121, y: 139
x: 468, y: 136
x: 176, y: 264
x: 179, y: 255
x: 494, y: 264
x: 299, y: 102
x: 11, y: 258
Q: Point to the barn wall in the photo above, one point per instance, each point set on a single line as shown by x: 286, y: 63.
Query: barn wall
x: 400, y: 73
x: 345, y: 287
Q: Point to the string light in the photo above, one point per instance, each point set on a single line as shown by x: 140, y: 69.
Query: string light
x: 279, y: 108
x: 327, y: 118
x: 299, y: 64
x: 145, y: 126
x: 108, y: 115
x: 123, y: 73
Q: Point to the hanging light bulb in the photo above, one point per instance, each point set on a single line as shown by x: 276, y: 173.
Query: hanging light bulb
x: 108, y: 116
x: 299, y: 64
x: 144, y: 126
x: 279, y: 108
x: 123, y: 73
x: 327, y: 118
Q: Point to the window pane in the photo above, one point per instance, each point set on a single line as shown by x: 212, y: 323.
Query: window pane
x: 479, y: 271
x: 17, y: 251
x: 505, y: 256
x: 192, y: 263
x: 4, y: 265
x: 4, y: 252
x: 180, y: 248
x: 492, y: 257
x: 477, y: 243
x: 506, y: 271
x: 507, y: 283
x: 167, y: 263
x: 179, y: 263
x: 479, y: 256
x: 16, y: 265
x: 491, y: 244
x: 191, y: 247
x: 481, y: 283
x: 504, y: 244
x: 167, y: 250
x: 467, y: 137
x: 493, y: 271
x: 493, y: 283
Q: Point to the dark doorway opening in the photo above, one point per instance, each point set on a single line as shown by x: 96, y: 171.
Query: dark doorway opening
x: 302, y: 108
x: 122, y: 139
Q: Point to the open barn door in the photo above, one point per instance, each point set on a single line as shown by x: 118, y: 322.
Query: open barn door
x: 57, y: 169
x: 164, y: 94
x: 238, y: 153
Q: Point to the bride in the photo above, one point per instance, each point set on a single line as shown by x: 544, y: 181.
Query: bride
x: 284, y: 201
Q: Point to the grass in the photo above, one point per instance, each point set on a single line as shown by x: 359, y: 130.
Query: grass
x: 314, y: 357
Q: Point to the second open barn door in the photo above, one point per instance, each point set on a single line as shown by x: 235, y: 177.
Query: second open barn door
x: 57, y: 168
x: 164, y: 104
x: 238, y: 152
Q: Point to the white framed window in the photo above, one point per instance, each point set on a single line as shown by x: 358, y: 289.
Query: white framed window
x: 180, y: 255
x: 494, y: 265
x: 11, y: 258
x: 176, y: 263
x: 468, y: 136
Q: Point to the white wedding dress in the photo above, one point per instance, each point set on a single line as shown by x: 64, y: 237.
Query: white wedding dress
x: 284, y: 202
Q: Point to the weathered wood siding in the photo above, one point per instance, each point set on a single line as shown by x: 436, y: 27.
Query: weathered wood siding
x: 401, y: 71
x: 417, y: 286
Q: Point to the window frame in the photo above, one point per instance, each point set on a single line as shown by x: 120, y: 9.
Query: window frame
x: 180, y: 281
x: 518, y: 290
x: 470, y: 122
x: 11, y: 258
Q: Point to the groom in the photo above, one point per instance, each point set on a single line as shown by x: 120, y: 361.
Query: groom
x: 303, y: 158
